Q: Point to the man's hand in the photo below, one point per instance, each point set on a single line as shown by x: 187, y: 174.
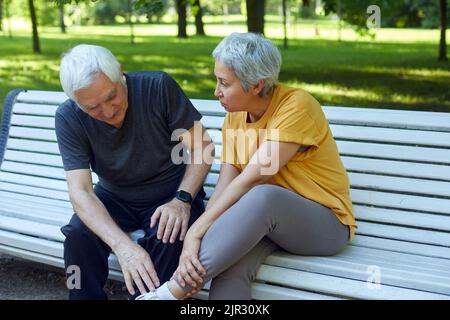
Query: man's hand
x: 137, y: 266
x: 172, y: 216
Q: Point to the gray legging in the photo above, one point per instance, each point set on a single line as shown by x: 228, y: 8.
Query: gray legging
x: 264, y: 219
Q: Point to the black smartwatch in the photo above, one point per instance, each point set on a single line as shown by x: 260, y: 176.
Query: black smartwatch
x: 184, y: 196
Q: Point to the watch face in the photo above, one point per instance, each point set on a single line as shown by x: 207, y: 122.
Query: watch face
x: 184, y: 196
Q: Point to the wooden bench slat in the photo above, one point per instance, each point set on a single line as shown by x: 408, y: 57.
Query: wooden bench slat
x: 32, y: 133
x: 270, y: 292
x: 410, y: 267
x: 397, y: 168
x: 340, y: 286
x: 35, y: 109
x: 32, y: 214
x: 399, y: 201
x: 31, y: 244
x: 404, y: 234
x: 35, y: 199
x: 33, y: 146
x: 418, y: 249
x: 42, y: 97
x: 31, y: 228
x: 51, y: 184
x: 33, y: 121
x: 32, y: 157
x: 404, y: 218
x: 394, y: 152
x: 34, y: 191
x: 35, y: 210
x: 394, y: 257
x: 353, y: 270
x: 402, y: 119
x: 399, y: 184
x: 33, y: 169
x: 391, y: 136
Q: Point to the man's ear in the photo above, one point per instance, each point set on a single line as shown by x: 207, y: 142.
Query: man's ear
x: 121, y: 68
x: 256, y: 89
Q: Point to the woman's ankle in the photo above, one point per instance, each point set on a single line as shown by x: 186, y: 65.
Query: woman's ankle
x: 176, y: 290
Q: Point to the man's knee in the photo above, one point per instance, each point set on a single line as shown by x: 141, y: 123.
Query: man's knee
x: 78, y: 235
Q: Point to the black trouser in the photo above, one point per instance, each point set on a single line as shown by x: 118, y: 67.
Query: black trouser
x: 82, y: 248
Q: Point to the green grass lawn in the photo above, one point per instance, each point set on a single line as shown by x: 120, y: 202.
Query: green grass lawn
x: 396, y: 70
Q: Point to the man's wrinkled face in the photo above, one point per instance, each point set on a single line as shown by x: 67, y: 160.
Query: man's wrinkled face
x: 104, y: 100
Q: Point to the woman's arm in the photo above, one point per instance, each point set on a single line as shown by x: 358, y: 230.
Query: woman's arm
x: 227, y: 174
x: 270, y: 157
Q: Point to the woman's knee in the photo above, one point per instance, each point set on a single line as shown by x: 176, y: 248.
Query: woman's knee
x: 262, y: 197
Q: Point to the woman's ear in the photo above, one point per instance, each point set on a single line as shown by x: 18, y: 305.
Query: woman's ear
x: 256, y: 89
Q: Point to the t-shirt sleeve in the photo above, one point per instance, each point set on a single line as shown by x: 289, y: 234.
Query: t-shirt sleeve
x: 179, y: 111
x: 228, y: 143
x: 72, y: 144
x: 294, y: 122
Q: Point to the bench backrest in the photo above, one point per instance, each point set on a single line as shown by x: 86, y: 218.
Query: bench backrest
x: 398, y: 163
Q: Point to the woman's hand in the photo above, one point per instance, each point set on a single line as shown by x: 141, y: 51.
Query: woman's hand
x: 190, y: 270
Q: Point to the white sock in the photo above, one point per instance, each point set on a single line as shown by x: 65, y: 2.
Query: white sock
x: 164, y: 293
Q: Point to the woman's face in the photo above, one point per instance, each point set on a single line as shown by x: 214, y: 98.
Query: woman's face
x: 229, y: 89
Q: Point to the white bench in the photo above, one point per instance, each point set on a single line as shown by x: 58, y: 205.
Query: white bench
x: 398, y: 163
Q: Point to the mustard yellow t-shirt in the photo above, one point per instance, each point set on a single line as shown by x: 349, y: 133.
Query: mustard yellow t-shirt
x: 317, y: 173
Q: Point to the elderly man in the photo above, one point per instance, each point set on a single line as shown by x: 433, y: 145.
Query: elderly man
x: 122, y: 126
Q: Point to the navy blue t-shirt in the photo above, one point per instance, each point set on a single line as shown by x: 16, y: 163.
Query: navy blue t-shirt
x: 134, y: 161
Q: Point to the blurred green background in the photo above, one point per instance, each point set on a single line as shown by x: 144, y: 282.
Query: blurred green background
x: 390, y: 67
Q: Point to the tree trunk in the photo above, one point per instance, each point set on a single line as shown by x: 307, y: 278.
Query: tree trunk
x: 130, y: 20
x: 182, y: 23
x: 443, y: 43
x: 61, y: 17
x: 285, y: 42
x: 1, y: 15
x: 199, y: 19
x: 255, y: 15
x: 8, y: 18
x: 225, y: 12
x: 36, y: 46
x: 339, y: 20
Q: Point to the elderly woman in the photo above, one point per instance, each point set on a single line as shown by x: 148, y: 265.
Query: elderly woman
x: 281, y: 186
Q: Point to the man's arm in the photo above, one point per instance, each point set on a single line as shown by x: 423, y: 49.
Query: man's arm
x: 174, y: 215
x: 91, y: 210
x: 201, y: 157
x: 134, y: 260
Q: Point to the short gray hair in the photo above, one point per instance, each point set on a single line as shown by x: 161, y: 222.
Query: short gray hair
x: 82, y: 63
x: 252, y: 58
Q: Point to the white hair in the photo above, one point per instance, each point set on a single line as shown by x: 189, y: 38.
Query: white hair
x: 252, y: 58
x: 82, y: 63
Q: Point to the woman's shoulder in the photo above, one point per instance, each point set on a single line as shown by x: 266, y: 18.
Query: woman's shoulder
x: 292, y: 99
